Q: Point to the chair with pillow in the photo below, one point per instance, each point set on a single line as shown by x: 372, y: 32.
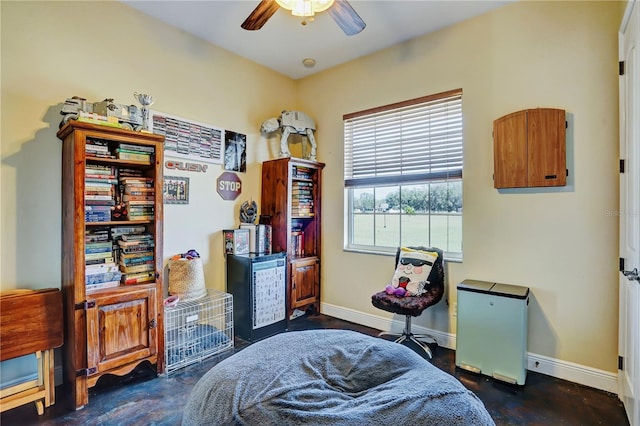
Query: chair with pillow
x: 418, y: 282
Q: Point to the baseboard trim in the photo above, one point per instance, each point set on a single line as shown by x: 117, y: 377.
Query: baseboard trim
x: 577, y: 373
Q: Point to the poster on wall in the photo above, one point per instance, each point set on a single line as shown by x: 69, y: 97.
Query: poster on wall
x: 188, y: 139
x: 235, y: 152
x: 175, y: 190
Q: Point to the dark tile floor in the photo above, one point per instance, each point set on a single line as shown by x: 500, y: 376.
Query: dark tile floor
x: 141, y: 398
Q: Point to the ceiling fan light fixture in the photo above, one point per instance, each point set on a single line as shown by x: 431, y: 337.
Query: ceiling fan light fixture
x: 305, y: 7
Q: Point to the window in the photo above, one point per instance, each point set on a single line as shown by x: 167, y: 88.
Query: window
x: 403, y: 175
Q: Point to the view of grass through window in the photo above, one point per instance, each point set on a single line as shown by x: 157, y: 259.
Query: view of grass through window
x: 425, y: 214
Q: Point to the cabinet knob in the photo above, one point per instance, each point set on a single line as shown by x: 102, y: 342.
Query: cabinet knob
x: 153, y: 324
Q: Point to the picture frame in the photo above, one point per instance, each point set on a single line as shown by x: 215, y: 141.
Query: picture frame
x: 188, y: 139
x: 175, y: 190
x: 235, y: 152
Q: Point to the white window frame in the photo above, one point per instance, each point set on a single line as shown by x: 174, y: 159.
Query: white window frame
x: 419, y: 141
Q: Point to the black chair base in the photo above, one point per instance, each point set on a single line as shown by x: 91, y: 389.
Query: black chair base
x: 408, y: 336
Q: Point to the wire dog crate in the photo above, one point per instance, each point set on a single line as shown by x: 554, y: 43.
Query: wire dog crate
x: 195, y: 330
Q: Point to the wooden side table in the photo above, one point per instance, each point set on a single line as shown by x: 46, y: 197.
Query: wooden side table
x: 31, y: 322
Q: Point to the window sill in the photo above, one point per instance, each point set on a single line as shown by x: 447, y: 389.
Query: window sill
x: 450, y: 259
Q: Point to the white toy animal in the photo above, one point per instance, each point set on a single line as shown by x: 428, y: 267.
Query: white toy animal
x: 291, y: 122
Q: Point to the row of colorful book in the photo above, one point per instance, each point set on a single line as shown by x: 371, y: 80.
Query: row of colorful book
x: 99, y: 191
x: 132, y: 152
x: 302, y: 199
x: 118, y: 255
x: 136, y: 254
x: 138, y: 194
x: 101, y: 270
x: 297, y: 243
x: 300, y: 172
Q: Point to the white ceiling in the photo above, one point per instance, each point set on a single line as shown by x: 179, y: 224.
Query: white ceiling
x: 283, y: 42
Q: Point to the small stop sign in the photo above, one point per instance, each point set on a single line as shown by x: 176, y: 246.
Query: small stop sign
x: 229, y: 186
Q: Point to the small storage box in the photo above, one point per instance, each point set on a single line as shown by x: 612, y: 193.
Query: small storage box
x: 197, y: 329
x: 491, y: 337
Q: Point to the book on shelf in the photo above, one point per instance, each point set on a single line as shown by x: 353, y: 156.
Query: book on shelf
x: 144, y: 158
x: 135, y: 261
x: 96, y: 236
x: 91, y: 250
x: 136, y: 243
x: 297, y: 243
x: 99, y: 261
x: 121, y: 230
x: 90, y: 180
x: 101, y: 255
x: 128, y: 172
x: 101, y: 286
x: 102, y: 277
x: 129, y: 197
x: 110, y: 202
x: 137, y: 236
x: 137, y: 148
x: 98, y: 169
x: 139, y: 277
x: 98, y: 177
x: 145, y: 253
x: 101, y: 268
x: 143, y: 267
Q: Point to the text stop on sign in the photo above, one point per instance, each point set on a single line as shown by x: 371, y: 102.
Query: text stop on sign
x: 229, y: 186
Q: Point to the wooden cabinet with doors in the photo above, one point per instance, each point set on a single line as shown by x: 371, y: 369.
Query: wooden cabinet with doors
x: 112, y: 220
x: 529, y: 149
x: 291, y: 189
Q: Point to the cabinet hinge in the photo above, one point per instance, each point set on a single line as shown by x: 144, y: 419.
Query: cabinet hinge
x: 86, y: 372
x: 620, y: 363
x: 621, y: 264
x: 566, y: 124
x: 621, y: 68
x: 621, y: 165
x: 85, y: 305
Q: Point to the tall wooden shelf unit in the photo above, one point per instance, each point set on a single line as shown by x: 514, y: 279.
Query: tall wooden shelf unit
x: 291, y: 189
x: 110, y: 330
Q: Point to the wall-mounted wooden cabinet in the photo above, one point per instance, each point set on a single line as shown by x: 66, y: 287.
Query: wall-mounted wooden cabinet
x: 529, y: 149
x: 291, y: 190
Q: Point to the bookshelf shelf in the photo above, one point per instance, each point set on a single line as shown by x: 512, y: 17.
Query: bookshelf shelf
x: 291, y: 189
x: 112, y: 259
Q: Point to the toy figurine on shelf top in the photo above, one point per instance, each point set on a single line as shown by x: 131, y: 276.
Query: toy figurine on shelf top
x: 105, y: 113
x: 292, y: 122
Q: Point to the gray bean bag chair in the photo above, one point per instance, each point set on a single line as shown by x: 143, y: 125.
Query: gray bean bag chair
x: 330, y: 377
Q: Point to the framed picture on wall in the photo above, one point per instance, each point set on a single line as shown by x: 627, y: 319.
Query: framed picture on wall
x: 188, y: 139
x: 235, y: 152
x: 175, y: 190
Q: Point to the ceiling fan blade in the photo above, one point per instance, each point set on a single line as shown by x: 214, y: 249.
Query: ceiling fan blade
x: 260, y: 15
x: 346, y: 17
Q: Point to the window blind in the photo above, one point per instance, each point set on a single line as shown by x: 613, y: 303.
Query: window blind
x: 411, y: 141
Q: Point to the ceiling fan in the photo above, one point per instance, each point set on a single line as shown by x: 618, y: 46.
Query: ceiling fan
x: 340, y: 10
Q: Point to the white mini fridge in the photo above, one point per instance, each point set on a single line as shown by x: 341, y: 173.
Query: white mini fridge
x: 491, y: 336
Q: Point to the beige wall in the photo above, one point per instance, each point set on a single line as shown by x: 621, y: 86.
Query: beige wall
x: 561, y: 244
x: 54, y: 50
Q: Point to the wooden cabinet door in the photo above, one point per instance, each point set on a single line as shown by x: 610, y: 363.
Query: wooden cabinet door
x: 529, y: 149
x: 510, y: 151
x: 121, y: 329
x: 305, y: 282
x: 546, y: 135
